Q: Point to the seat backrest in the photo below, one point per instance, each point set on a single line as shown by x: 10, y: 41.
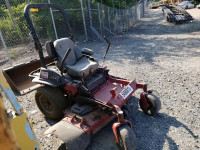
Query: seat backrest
x: 61, y: 47
x: 50, y: 49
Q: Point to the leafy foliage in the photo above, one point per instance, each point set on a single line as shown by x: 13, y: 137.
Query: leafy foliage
x: 13, y: 31
x: 16, y: 33
x: 196, y: 2
x: 117, y: 3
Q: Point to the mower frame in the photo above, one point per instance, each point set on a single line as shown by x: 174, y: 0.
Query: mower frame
x: 108, y: 98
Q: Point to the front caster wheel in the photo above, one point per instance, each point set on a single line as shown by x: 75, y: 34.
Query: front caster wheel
x: 127, y: 138
x: 154, y: 104
x: 126, y: 112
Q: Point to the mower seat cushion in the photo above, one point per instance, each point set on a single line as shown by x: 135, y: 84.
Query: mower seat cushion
x: 84, y: 68
x: 76, y: 64
x: 50, y: 49
x: 62, y: 45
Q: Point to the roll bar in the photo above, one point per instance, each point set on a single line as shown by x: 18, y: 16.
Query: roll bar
x: 37, y: 43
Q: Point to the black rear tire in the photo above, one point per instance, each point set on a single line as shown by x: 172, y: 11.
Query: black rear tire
x: 127, y: 138
x: 51, y: 101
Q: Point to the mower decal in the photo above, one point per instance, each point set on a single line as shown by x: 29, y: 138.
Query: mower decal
x: 44, y: 75
x: 126, y: 92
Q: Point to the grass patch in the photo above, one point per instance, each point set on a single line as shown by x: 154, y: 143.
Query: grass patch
x: 12, y: 53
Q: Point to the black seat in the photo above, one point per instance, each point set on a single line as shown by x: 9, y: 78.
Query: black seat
x: 76, y: 64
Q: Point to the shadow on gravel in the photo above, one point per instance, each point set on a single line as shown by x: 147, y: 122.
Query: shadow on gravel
x: 144, y: 50
x: 156, y: 24
x: 51, y: 122
x: 151, y: 132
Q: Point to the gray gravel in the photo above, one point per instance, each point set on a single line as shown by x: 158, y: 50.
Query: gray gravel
x: 166, y: 57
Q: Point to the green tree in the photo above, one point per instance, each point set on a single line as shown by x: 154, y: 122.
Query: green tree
x: 196, y: 2
x: 13, y: 34
x: 117, y: 3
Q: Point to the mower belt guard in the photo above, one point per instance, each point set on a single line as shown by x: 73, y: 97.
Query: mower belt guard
x: 73, y: 137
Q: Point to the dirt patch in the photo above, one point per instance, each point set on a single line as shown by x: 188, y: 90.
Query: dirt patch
x: 166, y: 57
x: 18, y: 54
x: 195, y: 12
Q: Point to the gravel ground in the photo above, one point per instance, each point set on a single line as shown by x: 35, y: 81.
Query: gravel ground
x: 166, y: 57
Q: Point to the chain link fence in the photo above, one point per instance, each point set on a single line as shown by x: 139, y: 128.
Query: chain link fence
x: 88, y: 21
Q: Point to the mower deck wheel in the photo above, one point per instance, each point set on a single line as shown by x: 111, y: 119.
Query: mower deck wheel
x: 127, y: 138
x: 154, y: 104
x: 126, y: 111
x: 51, y: 101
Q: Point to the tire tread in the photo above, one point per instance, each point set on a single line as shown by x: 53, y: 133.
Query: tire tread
x: 55, y: 96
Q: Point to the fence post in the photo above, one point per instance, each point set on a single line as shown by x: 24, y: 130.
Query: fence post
x: 83, y: 16
x: 92, y: 29
x: 6, y: 49
x: 103, y: 17
x: 52, y: 18
x: 123, y: 20
x: 90, y: 19
x: 100, y: 23
x: 136, y: 10
x: 143, y: 8
x: 117, y: 22
x: 10, y: 11
x: 118, y: 16
x: 109, y: 19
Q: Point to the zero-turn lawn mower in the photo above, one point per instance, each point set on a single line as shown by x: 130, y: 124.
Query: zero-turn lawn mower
x: 76, y: 87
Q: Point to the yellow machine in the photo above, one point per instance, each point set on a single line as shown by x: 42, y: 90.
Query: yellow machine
x: 15, y: 131
x: 154, y: 5
x: 169, y: 2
